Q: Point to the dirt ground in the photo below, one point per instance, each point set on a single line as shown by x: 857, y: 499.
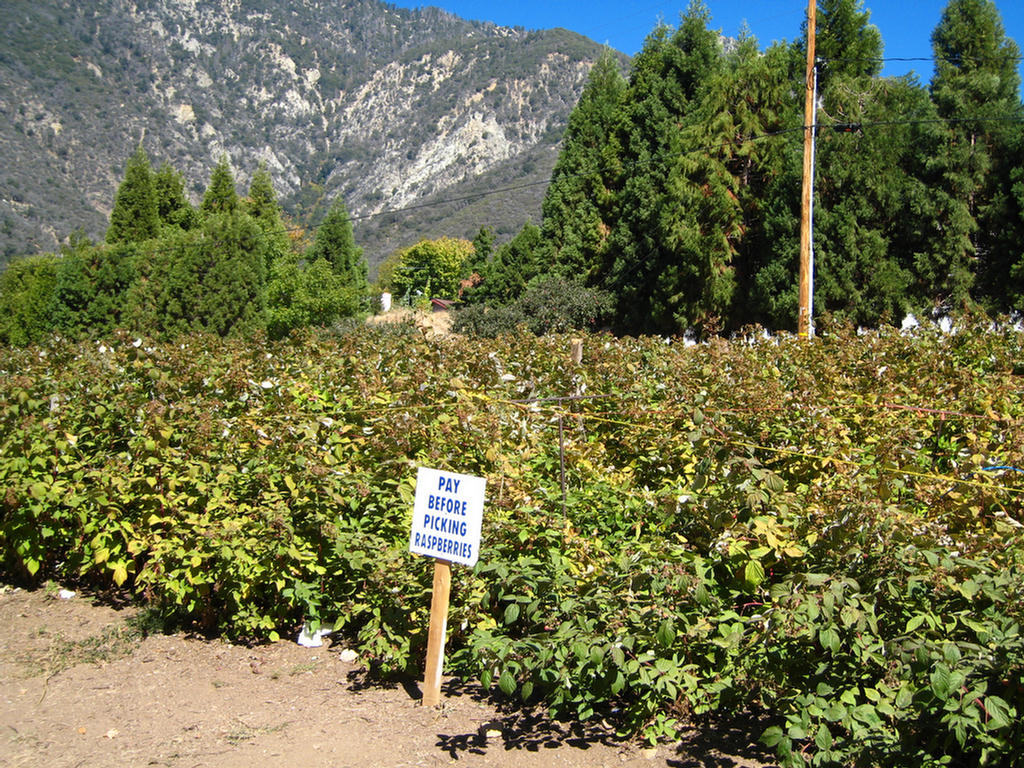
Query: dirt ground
x: 81, y: 686
x: 430, y: 323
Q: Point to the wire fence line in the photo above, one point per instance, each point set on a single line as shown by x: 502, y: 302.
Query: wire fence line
x: 555, y: 408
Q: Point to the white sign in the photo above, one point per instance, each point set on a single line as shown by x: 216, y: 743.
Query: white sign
x: 446, y: 516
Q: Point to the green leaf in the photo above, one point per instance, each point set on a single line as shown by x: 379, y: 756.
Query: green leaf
x: 618, y: 683
x: 823, y: 738
x: 666, y: 633
x: 829, y: 639
x: 940, y: 682
x: 866, y: 713
x: 507, y: 683
x: 772, y: 736
x: 120, y: 574
x: 511, y: 613
x: 836, y: 712
x: 1000, y: 713
x: 914, y: 623
x: 903, y: 697
x: 753, y: 574
x: 618, y: 657
x: 485, y: 679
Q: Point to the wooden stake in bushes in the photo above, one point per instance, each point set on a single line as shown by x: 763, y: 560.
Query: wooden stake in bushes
x: 438, y: 628
x: 577, y: 351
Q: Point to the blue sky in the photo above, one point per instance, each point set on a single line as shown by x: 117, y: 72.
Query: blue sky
x: 906, y: 25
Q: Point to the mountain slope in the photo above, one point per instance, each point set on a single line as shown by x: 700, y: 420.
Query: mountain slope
x: 387, y: 107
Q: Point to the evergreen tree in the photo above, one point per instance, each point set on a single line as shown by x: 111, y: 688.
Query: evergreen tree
x: 26, y: 296
x: 483, y: 248
x: 263, y: 207
x: 976, y: 88
x: 173, y: 208
x: 741, y: 120
x: 335, y: 243
x: 864, y: 181
x: 220, y: 196
x: 207, y: 279
x: 135, y: 217
x: 577, y: 204
x: 301, y: 295
x: 515, y: 264
x: 92, y: 287
x: 1013, y: 297
x: 847, y: 44
x: 659, y: 243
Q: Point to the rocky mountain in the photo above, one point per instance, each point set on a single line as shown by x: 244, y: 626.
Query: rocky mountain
x: 398, y: 111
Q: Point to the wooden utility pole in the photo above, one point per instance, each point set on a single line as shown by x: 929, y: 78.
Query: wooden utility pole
x: 803, y: 323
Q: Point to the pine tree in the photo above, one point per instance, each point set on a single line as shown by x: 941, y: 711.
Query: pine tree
x: 208, y: 279
x: 173, y: 207
x: 976, y: 87
x: 335, y: 243
x: 847, y: 44
x: 863, y: 187
x: 220, y: 196
x: 515, y: 264
x: 741, y: 120
x: 26, y: 298
x: 135, y: 217
x: 301, y: 295
x: 578, y: 201
x: 483, y: 249
x: 92, y: 287
x: 262, y: 206
x: 658, y: 247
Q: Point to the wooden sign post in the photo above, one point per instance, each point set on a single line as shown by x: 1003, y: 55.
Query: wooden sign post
x: 438, y: 628
x: 446, y: 518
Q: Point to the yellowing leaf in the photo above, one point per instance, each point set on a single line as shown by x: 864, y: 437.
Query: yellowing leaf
x: 120, y: 574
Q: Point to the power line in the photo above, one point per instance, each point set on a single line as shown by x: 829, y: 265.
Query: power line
x: 851, y: 126
x: 932, y: 59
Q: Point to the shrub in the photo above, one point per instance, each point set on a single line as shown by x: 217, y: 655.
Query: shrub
x: 552, y: 304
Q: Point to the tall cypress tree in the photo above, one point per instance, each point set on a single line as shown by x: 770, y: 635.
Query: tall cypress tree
x: 135, y: 217
x: 335, y: 243
x: 577, y: 205
x: 262, y: 206
x: 976, y: 88
x: 743, y: 105
x: 658, y: 247
x: 514, y: 265
x: 220, y: 196
x: 847, y: 44
x: 173, y: 207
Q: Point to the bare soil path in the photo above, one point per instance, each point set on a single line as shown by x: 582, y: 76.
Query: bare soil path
x: 79, y: 686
